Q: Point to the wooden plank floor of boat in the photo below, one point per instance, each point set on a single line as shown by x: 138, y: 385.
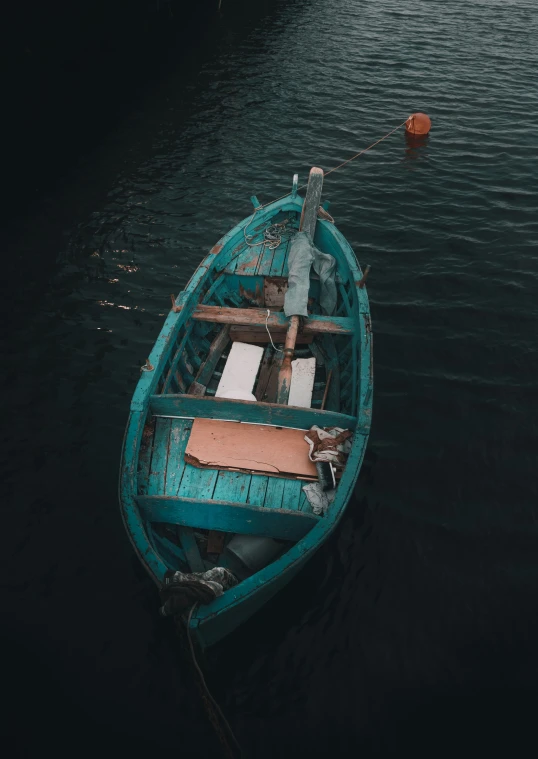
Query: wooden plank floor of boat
x: 163, y: 471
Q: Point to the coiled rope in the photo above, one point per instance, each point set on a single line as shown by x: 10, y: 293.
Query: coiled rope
x: 272, y: 236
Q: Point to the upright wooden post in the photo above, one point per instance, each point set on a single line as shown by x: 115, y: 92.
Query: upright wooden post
x: 309, y: 215
x: 308, y: 224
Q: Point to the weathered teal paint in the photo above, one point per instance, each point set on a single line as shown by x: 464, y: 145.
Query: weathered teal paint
x: 257, y: 317
x: 282, y: 502
x: 248, y: 411
x: 227, y: 516
x: 190, y: 546
x: 169, y: 551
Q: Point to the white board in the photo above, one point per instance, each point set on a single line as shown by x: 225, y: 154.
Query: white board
x: 302, y: 382
x: 240, y: 372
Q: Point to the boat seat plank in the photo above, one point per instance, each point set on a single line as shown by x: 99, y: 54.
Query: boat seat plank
x: 302, y: 382
x: 257, y: 317
x: 240, y: 370
x: 227, y: 517
x: 255, y: 412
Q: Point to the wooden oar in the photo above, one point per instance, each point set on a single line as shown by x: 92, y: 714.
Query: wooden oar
x: 308, y: 224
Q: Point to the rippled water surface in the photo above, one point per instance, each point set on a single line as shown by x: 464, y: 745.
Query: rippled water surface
x: 415, y: 627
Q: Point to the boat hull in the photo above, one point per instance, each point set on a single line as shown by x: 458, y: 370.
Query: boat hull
x: 212, y: 622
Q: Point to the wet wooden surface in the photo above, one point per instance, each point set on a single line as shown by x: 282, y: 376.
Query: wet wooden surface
x: 257, y: 317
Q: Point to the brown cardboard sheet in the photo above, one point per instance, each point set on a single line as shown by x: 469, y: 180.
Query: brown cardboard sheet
x: 257, y: 448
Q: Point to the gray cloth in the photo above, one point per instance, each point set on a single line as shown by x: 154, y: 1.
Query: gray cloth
x: 300, y: 260
x: 319, y: 499
x: 304, y: 255
x: 325, y: 266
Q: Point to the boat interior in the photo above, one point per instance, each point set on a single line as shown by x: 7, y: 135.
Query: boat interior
x: 225, y: 365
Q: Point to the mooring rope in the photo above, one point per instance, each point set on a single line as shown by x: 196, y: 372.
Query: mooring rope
x: 275, y: 232
x: 272, y: 236
x: 214, y: 712
x: 326, y: 173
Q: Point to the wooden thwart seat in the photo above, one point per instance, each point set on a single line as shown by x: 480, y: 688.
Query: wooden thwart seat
x: 257, y: 317
x: 227, y: 516
x: 191, y: 407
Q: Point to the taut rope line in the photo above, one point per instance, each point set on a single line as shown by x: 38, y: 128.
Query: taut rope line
x: 274, y: 238
x: 326, y: 173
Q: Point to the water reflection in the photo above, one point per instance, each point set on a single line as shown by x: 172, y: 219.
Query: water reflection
x: 416, y: 147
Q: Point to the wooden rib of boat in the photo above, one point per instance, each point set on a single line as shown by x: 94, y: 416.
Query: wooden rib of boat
x: 180, y: 511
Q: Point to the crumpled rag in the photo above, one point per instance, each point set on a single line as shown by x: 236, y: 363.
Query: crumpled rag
x: 319, y: 499
x: 181, y: 590
x: 331, y: 444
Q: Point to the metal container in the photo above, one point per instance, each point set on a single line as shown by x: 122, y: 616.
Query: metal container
x: 254, y: 551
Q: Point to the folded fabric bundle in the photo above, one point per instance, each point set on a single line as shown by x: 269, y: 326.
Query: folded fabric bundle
x: 319, y: 499
x: 331, y: 444
x: 181, y: 590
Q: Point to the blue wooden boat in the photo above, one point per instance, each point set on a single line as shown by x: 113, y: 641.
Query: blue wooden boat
x: 169, y: 506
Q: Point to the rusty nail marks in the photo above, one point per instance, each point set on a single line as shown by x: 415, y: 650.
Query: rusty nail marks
x: 250, y: 295
x: 250, y: 264
x: 281, y: 283
x: 216, y: 249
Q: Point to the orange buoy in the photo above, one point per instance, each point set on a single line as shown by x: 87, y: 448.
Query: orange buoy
x: 418, y: 123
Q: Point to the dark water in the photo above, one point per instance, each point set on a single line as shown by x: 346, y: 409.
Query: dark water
x: 415, y: 628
